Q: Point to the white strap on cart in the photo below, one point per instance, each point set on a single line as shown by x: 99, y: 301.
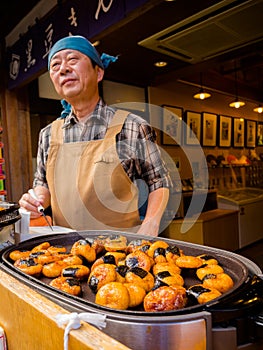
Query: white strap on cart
x: 73, y: 321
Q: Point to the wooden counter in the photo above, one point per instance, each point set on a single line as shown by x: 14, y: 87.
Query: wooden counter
x: 29, y: 322
x: 216, y: 228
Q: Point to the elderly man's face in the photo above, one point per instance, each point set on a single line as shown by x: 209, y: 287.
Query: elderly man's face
x: 73, y: 75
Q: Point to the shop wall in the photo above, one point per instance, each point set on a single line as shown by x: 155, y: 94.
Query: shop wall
x: 180, y: 95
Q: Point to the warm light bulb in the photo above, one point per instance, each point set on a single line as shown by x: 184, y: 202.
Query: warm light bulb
x: 237, y: 104
x: 202, y: 95
x: 258, y: 109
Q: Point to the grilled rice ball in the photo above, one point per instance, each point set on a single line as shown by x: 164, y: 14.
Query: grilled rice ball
x: 19, y: 254
x: 97, y: 243
x: 189, y: 262
x: 77, y: 271
x: 101, y: 275
x: 57, y: 249
x: 208, y: 259
x: 157, y: 251
x: 171, y: 267
x: 83, y: 248
x: 172, y: 253
x: 136, y: 294
x: 67, y: 284
x: 74, y: 260
x: 114, y: 258
x: 139, y: 276
x: 42, y: 246
x: 221, y: 281
x: 53, y: 269
x: 138, y: 244
x: 165, y: 278
x: 121, y: 271
x: 28, y: 265
x: 115, y: 243
x: 202, y: 294
x: 207, y: 270
x: 47, y: 257
x: 114, y: 295
x: 165, y: 299
x: 138, y: 259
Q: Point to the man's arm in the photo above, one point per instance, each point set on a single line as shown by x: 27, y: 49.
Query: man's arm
x: 157, y: 202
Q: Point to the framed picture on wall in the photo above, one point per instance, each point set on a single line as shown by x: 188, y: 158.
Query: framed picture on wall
x: 172, y: 125
x: 209, y: 129
x: 238, y: 132
x: 192, y: 128
x: 260, y: 134
x: 224, y: 132
x: 251, y: 133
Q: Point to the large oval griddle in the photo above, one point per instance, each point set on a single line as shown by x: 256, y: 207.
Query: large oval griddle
x: 229, y: 261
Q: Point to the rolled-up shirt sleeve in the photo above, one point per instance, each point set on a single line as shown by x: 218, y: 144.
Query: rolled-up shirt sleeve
x: 42, y: 153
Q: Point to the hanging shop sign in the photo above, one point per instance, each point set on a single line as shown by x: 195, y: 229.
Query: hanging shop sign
x: 28, y: 56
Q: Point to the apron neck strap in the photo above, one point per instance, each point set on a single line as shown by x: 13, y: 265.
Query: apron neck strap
x: 116, y: 123
x: 57, y: 131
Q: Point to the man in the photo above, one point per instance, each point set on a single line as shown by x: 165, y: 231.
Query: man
x: 89, y: 160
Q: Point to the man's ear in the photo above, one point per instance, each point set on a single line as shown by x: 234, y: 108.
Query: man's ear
x: 100, y: 74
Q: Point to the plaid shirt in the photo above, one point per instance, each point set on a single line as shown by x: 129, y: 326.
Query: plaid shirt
x: 136, y: 146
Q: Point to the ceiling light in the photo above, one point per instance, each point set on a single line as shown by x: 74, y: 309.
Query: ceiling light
x: 258, y: 109
x: 237, y: 103
x: 201, y: 95
x: 160, y: 64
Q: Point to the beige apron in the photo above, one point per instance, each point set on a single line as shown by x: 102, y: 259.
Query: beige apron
x: 89, y: 187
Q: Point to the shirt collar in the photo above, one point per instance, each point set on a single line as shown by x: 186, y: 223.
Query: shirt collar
x: 101, y: 115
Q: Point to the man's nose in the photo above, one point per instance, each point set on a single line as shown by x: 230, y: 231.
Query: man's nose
x: 64, y: 67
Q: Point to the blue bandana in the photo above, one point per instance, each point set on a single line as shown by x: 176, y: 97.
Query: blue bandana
x: 81, y: 44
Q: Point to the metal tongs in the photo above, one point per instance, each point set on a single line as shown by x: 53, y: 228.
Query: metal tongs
x: 40, y: 207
